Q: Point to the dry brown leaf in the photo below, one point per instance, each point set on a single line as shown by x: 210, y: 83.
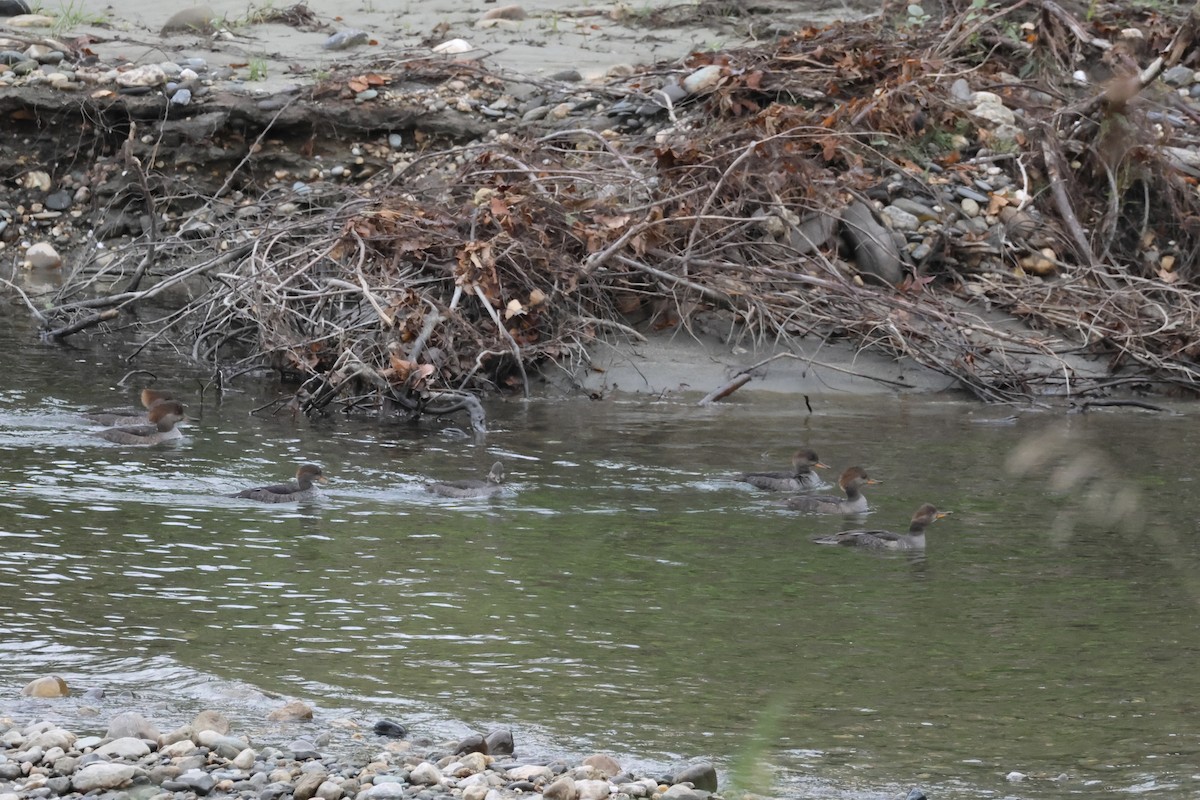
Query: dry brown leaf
x: 613, y: 221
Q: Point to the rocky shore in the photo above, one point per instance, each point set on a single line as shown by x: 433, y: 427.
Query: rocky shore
x: 208, y: 758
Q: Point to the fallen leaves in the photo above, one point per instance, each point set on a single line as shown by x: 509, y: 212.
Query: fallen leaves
x: 370, y: 80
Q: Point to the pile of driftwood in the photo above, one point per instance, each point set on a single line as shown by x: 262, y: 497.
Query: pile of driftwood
x: 478, y: 263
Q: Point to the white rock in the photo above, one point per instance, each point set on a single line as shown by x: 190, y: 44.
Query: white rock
x: 30, y: 21
x: 127, y: 747
x: 426, y: 774
x: 990, y: 107
x: 512, y: 11
x: 131, y: 723
x: 246, y: 758
x: 593, y: 790
x: 474, y: 762
x: 561, y: 789
x: 10, y: 796
x: 30, y: 755
x: 211, y: 739
x: 478, y: 779
x: 53, y: 754
x: 475, y: 791
x: 702, y: 79
x: 900, y: 220
x: 1015, y: 777
x: 530, y: 772
x: 391, y: 790
x: 12, y: 738
x: 184, y: 747
x: 145, y: 75
x: 329, y: 790
x: 36, y: 179
x: 55, y: 737
x: 681, y: 791
x: 453, y: 47
x: 102, y: 776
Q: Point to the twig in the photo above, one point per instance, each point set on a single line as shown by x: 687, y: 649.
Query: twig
x: 721, y: 392
x: 81, y: 324
x: 1086, y: 404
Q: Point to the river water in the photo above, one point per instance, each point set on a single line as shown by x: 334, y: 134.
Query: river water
x: 623, y: 594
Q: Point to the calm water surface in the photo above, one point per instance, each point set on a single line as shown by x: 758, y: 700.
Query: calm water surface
x: 623, y: 594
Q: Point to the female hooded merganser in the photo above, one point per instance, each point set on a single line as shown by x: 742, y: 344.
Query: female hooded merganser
x: 800, y: 478
x: 888, y: 540
x: 855, y: 502
x: 471, y: 488
x: 300, y: 489
x: 164, y: 415
x: 149, y: 398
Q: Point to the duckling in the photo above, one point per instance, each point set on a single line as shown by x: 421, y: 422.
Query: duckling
x: 925, y: 516
x: 164, y: 416
x: 800, y: 478
x: 149, y: 397
x: 852, y: 480
x: 300, y: 489
x: 471, y: 488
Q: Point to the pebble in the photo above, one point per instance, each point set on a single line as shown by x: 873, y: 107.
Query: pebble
x: 343, y: 40
x: 364, y: 96
x: 1179, y: 75
x: 395, y: 141
x: 512, y: 11
x: 971, y: 194
x: 921, y: 211
x: 181, y: 97
x: 453, y: 47
x: 147, y: 75
x: 899, y: 219
x: 970, y: 207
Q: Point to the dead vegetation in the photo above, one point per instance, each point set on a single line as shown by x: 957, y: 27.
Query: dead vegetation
x: 477, y: 264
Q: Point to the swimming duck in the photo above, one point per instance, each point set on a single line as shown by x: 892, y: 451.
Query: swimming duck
x: 888, y: 540
x: 163, y: 417
x: 300, y: 489
x: 800, y: 478
x: 148, y: 397
x: 855, y: 502
x: 471, y: 488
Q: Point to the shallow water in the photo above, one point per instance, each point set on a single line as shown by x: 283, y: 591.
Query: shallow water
x: 623, y: 594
